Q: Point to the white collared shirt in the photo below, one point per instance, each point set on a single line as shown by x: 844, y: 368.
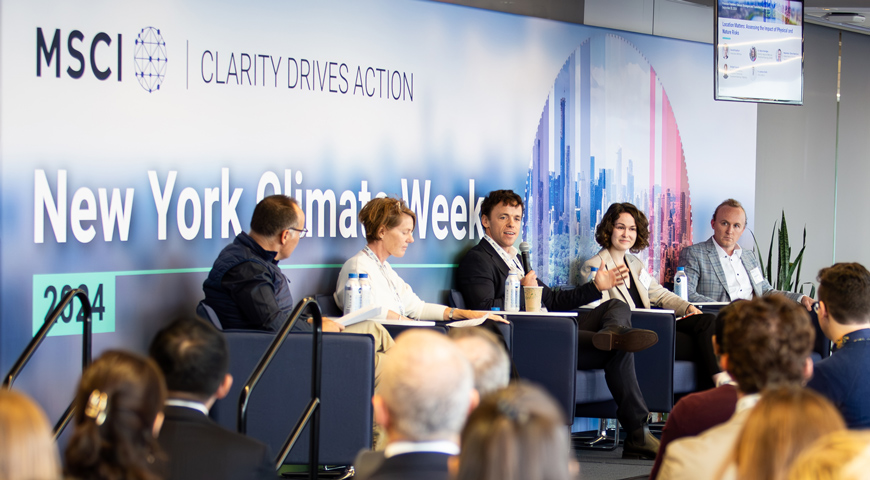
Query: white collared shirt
x: 438, y: 446
x: 746, y: 402
x: 177, y: 402
x: 736, y: 276
x: 509, y: 256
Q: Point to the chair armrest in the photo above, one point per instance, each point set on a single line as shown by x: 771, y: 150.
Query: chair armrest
x: 545, y: 352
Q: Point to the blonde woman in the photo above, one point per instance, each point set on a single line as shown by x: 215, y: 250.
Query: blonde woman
x: 785, y: 421
x: 841, y: 455
x: 27, y: 449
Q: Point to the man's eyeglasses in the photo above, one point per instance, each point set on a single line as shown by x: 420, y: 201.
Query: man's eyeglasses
x: 302, y: 231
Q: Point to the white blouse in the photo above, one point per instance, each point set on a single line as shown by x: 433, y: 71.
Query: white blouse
x: 388, y: 289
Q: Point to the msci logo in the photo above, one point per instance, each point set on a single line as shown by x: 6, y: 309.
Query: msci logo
x: 105, y: 55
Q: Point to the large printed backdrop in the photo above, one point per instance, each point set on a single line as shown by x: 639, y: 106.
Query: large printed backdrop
x: 136, y: 138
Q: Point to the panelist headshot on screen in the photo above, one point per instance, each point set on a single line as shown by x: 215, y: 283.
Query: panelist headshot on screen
x: 725, y: 69
x: 752, y: 54
x: 725, y: 51
x: 778, y: 54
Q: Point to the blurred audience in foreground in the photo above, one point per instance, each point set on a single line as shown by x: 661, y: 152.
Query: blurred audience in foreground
x: 784, y: 422
x: 27, y: 449
x: 119, y: 412
x: 517, y: 433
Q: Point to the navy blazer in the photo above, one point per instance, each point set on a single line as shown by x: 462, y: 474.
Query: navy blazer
x: 844, y: 378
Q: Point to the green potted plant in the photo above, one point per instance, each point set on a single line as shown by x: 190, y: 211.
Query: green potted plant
x: 788, y: 272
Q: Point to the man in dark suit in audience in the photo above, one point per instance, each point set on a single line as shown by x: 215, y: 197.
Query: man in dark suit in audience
x: 426, y: 393
x: 193, y: 357
x: 481, y: 277
x: 844, y: 315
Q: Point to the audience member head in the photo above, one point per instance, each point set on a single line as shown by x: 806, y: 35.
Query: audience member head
x: 517, y: 433
x: 767, y: 343
x: 193, y: 356
x: 426, y: 390
x: 500, y: 197
x: 277, y: 225
x: 380, y: 215
x: 781, y: 425
x: 119, y: 406
x: 604, y: 230
x: 840, y: 455
x: 489, y: 360
x: 27, y: 449
x: 844, y: 295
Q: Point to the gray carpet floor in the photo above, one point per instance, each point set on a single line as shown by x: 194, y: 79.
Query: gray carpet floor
x: 609, y: 465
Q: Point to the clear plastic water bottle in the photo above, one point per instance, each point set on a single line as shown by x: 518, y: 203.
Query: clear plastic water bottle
x: 681, y: 284
x: 352, y: 294
x: 512, y: 293
x: 365, y: 290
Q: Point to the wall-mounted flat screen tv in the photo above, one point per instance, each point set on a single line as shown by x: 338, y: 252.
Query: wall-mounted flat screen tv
x: 759, y: 51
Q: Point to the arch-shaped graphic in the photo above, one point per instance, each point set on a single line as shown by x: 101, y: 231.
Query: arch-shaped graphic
x: 607, y: 134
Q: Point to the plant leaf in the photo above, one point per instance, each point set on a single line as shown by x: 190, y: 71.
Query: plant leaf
x: 770, y: 256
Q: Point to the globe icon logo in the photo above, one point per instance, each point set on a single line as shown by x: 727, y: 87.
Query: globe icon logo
x: 149, y: 59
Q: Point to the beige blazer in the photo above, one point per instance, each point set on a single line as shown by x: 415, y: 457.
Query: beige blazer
x: 656, y: 295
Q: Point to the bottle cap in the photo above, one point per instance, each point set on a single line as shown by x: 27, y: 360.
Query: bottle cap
x: 594, y: 269
x: 363, y: 275
x: 496, y: 309
x: 680, y: 269
x: 352, y: 275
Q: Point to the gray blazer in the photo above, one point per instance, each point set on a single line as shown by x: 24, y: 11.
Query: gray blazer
x: 655, y: 295
x: 707, y: 279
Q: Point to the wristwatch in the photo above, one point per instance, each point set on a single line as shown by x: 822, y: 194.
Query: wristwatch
x: 450, y: 315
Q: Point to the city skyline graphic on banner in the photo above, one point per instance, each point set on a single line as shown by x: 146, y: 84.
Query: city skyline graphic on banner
x: 607, y: 134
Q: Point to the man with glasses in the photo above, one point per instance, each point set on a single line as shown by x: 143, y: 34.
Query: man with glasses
x: 844, y: 314
x: 247, y: 289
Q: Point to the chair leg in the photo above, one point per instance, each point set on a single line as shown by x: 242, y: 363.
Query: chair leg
x: 326, y: 473
x: 606, y: 437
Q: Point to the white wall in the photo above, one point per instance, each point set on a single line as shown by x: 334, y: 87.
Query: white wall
x: 666, y: 18
x: 853, y: 160
x: 795, y: 158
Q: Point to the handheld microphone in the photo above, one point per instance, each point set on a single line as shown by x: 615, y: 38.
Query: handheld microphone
x: 524, y: 253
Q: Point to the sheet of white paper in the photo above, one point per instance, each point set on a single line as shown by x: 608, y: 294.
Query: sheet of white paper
x: 471, y: 322
x: 361, y: 314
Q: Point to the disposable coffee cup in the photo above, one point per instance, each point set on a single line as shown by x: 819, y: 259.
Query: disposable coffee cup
x: 533, y: 298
